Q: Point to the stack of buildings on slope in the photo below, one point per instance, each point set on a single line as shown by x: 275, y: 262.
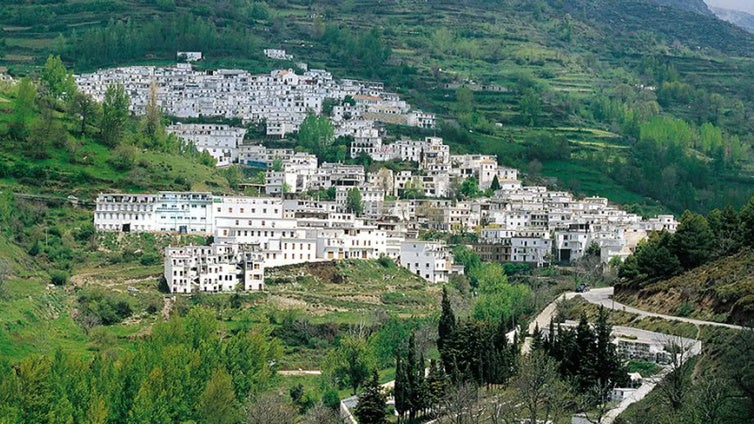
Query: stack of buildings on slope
x: 220, y: 141
x: 520, y: 224
x: 281, y: 98
x: 253, y: 233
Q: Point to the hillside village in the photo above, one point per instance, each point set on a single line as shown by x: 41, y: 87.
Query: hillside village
x: 372, y: 215
x: 280, y: 99
x: 518, y: 224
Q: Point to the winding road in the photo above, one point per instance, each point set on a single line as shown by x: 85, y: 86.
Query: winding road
x: 602, y: 297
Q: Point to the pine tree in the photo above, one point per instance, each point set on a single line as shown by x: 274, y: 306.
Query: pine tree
x: 608, y: 367
x: 585, y: 359
x: 747, y: 223
x: 693, y: 241
x: 371, y: 406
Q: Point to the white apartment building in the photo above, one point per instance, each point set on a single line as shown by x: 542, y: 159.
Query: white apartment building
x: 215, y: 268
x: 125, y: 212
x: 220, y: 141
x: 299, y: 173
x: 532, y: 247
x: 365, y: 141
x: 431, y: 261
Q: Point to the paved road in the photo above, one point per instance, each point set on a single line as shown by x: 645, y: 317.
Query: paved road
x: 602, y: 297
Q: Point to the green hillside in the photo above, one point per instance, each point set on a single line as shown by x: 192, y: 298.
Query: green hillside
x: 575, y: 82
x: 720, y: 291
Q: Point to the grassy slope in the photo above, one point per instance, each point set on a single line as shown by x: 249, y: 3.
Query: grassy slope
x: 718, y: 291
x: 506, y: 42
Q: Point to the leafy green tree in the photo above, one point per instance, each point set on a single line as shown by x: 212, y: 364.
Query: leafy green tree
x: 726, y: 226
x: 530, y: 107
x: 470, y: 188
x: 348, y: 365
x: 152, y: 121
x: 371, y: 407
x: 35, y: 394
x: 693, y: 241
x: 114, y: 115
x: 316, y: 134
x: 652, y: 260
x: 26, y: 95
x: 217, y: 403
x: 497, y: 299
x: 57, y: 79
x: 464, y: 100
x: 354, y: 203
x: 83, y: 108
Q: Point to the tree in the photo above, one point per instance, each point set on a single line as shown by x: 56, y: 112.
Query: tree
x: 675, y: 386
x: 413, y: 188
x: 530, y: 106
x: 747, y: 223
x: 348, y: 365
x: 464, y: 100
x: 498, y: 299
x: 4, y: 274
x: 539, y: 389
x: 470, y: 188
x: 26, y: 95
x: 461, y: 404
x: 354, y: 203
x: 371, y: 406
x: 321, y: 414
x: 57, y: 79
x: 726, y: 226
x: 445, y: 327
x: 316, y: 133
x: 693, y: 241
x: 270, y: 408
x: 153, y: 118
x: 114, y: 115
x: 495, y: 184
x: 217, y: 403
x: 84, y: 108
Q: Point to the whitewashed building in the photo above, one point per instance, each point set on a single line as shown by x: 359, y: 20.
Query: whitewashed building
x: 216, y: 268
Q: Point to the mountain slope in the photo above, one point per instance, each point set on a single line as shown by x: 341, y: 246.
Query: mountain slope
x: 696, y: 6
x: 736, y: 17
x: 686, y: 26
x: 721, y: 291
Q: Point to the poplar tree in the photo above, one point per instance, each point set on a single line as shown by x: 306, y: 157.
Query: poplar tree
x: 114, y: 115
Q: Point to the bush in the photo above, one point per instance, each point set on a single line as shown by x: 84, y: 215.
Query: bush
x: 58, y: 278
x: 99, y: 306
x: 385, y: 262
x: 150, y: 259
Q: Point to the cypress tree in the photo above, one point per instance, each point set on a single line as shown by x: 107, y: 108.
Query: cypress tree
x: 445, y: 329
x: 399, y: 391
x: 371, y: 406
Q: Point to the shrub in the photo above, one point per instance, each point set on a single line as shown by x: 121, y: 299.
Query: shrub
x: 58, y: 278
x: 385, y: 262
x: 150, y: 259
x: 99, y: 306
